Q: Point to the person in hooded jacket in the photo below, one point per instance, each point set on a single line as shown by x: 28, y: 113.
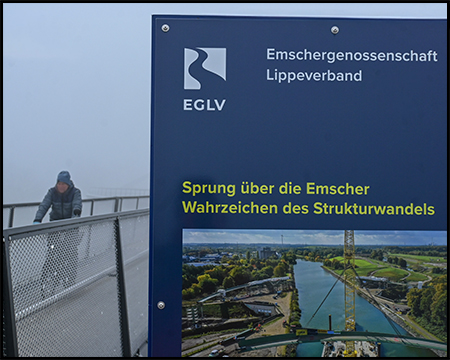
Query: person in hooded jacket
x: 64, y: 198
x: 61, y: 261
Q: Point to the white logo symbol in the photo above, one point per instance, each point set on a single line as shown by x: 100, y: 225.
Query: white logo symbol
x: 215, y: 63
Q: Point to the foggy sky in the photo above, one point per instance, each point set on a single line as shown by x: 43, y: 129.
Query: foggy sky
x: 76, y: 87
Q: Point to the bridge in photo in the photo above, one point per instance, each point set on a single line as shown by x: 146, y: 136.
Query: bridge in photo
x: 223, y: 292
x: 316, y: 335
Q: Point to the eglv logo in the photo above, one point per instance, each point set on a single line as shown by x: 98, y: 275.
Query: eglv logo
x: 208, y: 67
x: 210, y: 60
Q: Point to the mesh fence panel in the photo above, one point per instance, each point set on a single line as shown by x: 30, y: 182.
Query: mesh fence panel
x: 134, y: 234
x: 65, y: 292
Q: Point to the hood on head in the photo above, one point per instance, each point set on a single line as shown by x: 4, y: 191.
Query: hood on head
x: 64, y: 176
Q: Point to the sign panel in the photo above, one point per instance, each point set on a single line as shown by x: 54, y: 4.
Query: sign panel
x: 290, y: 123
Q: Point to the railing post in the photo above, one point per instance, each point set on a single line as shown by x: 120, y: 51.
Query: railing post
x: 9, y: 322
x: 125, y: 329
x: 11, y: 217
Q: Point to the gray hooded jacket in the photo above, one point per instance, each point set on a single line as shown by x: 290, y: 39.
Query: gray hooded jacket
x: 63, y: 205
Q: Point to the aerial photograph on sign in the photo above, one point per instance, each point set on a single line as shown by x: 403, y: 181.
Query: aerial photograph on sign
x: 313, y: 293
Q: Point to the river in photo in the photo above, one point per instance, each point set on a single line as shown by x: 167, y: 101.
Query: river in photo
x: 313, y: 284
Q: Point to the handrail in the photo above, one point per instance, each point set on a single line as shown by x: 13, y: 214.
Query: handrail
x: 69, y: 223
x: 118, y: 204
x: 84, y: 200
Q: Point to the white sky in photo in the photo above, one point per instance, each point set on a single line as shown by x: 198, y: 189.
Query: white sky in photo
x: 313, y: 237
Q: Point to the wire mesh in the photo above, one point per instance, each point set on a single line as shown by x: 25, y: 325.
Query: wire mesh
x: 65, y: 292
x: 134, y: 234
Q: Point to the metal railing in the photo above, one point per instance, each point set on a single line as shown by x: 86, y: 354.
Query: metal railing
x: 77, y: 287
x: 21, y: 214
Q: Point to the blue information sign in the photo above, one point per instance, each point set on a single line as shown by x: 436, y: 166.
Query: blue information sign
x: 290, y: 123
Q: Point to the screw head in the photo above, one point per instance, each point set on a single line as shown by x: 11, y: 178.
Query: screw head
x: 161, y: 305
x: 165, y: 28
x: 334, y: 30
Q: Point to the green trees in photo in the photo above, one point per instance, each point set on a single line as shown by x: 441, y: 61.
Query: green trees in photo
x: 429, y: 306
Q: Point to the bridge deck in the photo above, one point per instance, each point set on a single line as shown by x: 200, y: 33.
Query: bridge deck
x: 315, y: 335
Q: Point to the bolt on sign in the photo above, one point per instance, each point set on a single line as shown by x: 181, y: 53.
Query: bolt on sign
x: 290, y: 123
